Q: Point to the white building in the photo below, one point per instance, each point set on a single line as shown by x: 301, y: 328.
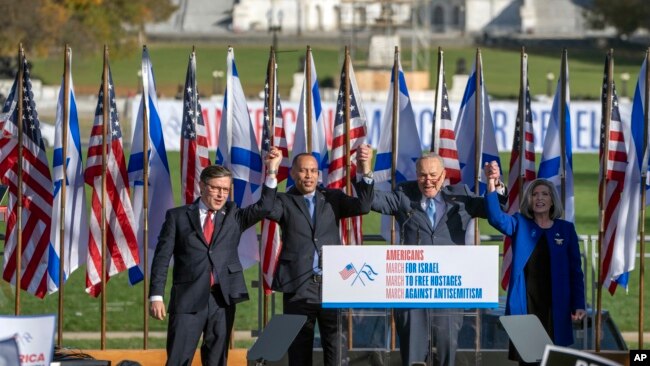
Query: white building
x: 537, y: 17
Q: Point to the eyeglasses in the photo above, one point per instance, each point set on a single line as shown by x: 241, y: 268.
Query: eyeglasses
x: 215, y: 189
x: 425, y: 177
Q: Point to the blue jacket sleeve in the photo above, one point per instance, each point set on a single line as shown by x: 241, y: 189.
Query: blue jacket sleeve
x: 501, y: 221
x: 576, y: 274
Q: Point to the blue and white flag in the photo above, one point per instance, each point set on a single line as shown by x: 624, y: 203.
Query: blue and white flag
x: 407, y: 142
x: 638, y: 125
x: 75, y: 224
x: 408, y: 146
x: 239, y: 152
x: 160, y: 194
x: 466, y: 135
x: 318, y: 137
x: 549, y: 166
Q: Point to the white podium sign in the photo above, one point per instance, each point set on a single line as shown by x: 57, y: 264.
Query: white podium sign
x: 396, y: 276
x: 34, y: 335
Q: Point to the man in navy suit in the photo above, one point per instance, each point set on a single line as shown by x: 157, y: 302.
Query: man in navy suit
x: 430, y: 213
x: 309, y: 217
x: 208, y: 278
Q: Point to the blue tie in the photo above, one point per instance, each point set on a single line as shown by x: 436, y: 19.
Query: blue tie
x: 310, y: 206
x: 431, y: 211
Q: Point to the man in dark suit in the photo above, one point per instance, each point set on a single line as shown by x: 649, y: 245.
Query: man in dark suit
x: 430, y: 213
x: 208, y: 279
x: 309, y: 217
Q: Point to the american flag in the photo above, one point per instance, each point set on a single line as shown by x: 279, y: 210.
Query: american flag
x: 194, y: 143
x: 348, y: 271
x: 522, y: 166
x: 357, y: 134
x: 271, y: 241
x: 444, y: 137
x: 621, y: 201
x: 36, y: 189
x: 121, y: 240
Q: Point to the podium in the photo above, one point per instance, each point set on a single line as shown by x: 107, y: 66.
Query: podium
x: 429, y: 292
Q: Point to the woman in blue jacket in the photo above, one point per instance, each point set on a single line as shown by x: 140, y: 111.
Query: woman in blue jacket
x: 546, y: 273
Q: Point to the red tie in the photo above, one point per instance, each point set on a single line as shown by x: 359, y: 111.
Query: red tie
x: 208, y: 229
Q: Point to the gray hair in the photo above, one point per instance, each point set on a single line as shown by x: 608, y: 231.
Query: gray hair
x: 426, y: 156
x: 526, y: 204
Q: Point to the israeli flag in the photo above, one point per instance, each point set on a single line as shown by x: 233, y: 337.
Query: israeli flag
x: 160, y: 194
x: 239, y: 152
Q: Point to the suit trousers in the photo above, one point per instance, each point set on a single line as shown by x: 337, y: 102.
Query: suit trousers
x: 214, y: 321
x: 420, y: 330
x: 301, y: 350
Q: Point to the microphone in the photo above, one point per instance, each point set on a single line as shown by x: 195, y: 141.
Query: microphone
x: 409, y: 215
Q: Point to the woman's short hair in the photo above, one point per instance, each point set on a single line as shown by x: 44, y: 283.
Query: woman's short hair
x: 526, y: 205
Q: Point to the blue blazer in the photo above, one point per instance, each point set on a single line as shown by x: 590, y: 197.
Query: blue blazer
x: 567, y: 280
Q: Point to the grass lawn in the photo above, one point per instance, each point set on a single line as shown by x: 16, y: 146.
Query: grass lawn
x: 501, y: 67
x: 125, y: 303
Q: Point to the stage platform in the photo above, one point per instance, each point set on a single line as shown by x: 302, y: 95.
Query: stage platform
x: 237, y: 357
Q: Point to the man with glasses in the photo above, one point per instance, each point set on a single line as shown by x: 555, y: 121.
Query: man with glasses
x: 431, y: 213
x: 208, y: 278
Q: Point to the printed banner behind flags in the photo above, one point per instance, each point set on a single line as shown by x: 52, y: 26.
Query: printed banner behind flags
x: 638, y: 125
x: 550, y: 165
x: 408, y: 147
x: 466, y: 132
x: 160, y: 195
x: 194, y: 142
x: 36, y: 190
x: 121, y: 241
x: 622, y: 196
x: 318, y: 138
x: 357, y: 134
x: 271, y: 241
x: 522, y: 164
x: 76, y: 214
x: 238, y: 152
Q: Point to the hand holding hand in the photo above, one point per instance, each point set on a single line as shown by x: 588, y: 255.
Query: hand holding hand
x: 364, y: 157
x: 273, y: 159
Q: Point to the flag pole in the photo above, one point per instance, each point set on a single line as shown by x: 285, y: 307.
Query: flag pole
x: 603, y: 181
x: 519, y: 129
x: 19, y: 211
x: 106, y: 121
x: 270, y: 102
x: 644, y: 176
x: 562, y: 125
x: 477, y: 135
x: 308, y: 102
x: 435, y: 130
x: 348, y: 155
x: 393, y: 168
x: 145, y: 201
x: 64, y: 147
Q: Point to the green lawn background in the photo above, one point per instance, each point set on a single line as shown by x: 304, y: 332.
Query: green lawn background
x: 125, y: 308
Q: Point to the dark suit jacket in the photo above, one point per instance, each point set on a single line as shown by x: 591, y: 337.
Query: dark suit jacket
x: 301, y: 238
x: 182, y: 236
x: 404, y: 204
